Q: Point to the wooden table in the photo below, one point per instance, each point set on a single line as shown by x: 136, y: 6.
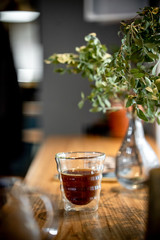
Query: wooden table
x: 122, y: 214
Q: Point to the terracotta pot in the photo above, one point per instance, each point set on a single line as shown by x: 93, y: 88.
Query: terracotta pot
x: 118, y: 122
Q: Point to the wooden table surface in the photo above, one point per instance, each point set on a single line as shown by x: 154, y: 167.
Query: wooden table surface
x: 122, y: 214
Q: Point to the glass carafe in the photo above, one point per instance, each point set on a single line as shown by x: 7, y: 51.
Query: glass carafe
x: 135, y: 157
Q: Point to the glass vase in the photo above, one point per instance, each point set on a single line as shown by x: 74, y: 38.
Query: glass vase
x: 135, y: 157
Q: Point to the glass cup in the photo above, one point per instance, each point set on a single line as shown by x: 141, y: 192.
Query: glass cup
x: 21, y: 210
x: 80, y: 176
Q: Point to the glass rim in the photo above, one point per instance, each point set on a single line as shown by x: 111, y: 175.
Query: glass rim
x: 91, y: 155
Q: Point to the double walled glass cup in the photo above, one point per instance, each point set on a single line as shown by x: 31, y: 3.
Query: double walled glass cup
x: 80, y: 175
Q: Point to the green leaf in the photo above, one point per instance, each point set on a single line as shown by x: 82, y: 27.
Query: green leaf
x: 148, y: 81
x: 82, y: 95
x: 81, y: 104
x: 96, y: 109
x: 154, y: 70
x: 141, y: 115
x: 137, y: 56
x: 150, y: 45
x: 158, y: 83
x: 149, y: 89
x: 138, y: 42
x: 107, y: 102
x: 158, y: 120
x: 134, y: 70
x: 154, y: 98
x: 100, y: 101
x: 60, y: 70
x: 138, y: 75
x: 130, y: 102
x: 152, y: 55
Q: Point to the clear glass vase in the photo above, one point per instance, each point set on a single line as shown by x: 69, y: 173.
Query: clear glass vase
x: 135, y: 157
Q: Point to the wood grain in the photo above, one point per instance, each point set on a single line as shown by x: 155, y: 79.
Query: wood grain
x: 122, y: 214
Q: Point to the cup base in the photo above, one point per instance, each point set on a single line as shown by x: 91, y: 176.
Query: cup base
x: 133, y: 184
x: 90, y: 207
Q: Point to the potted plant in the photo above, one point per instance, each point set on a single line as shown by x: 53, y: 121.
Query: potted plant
x: 129, y: 76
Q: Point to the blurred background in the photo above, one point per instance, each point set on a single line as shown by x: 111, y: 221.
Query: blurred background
x: 35, y: 102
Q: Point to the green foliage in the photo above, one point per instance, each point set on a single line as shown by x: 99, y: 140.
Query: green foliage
x: 129, y: 75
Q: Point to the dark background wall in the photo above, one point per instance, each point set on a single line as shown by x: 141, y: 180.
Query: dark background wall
x: 62, y: 29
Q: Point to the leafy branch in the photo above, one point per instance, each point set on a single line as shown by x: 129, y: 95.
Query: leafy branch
x: 129, y: 75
